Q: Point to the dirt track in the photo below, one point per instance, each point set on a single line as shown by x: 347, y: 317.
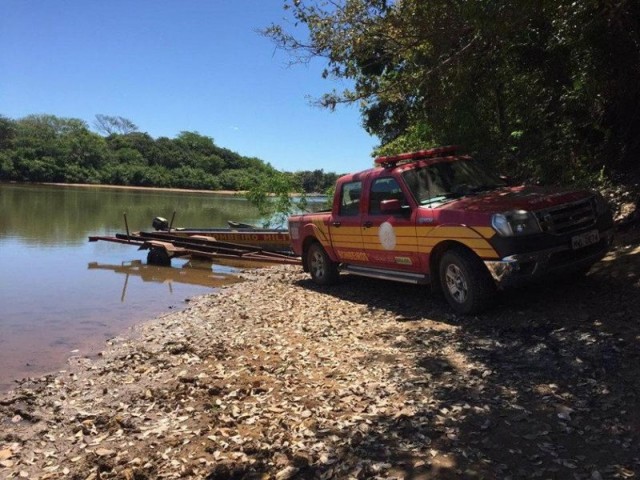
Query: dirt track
x: 278, y: 378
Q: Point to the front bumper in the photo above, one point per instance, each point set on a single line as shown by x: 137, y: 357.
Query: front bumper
x: 518, y: 269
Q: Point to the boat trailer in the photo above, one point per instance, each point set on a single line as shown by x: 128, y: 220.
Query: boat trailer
x: 163, y: 246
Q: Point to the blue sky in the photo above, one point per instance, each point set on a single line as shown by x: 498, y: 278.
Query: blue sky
x: 174, y: 65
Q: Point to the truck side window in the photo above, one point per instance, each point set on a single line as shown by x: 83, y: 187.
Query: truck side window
x: 350, y: 199
x: 384, y: 189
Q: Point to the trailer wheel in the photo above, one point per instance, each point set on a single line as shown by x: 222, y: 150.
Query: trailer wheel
x: 322, y: 269
x: 158, y: 256
x: 466, y: 284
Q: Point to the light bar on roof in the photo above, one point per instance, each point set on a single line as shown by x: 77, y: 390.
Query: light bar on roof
x: 392, y: 160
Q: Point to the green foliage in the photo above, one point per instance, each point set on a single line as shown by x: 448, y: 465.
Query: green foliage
x: 190, y: 177
x: 417, y: 137
x: 46, y: 148
x: 274, y: 198
x: 329, y: 194
x: 7, y: 133
x: 128, y: 156
x: 84, y: 148
x: 42, y: 169
x: 142, y: 142
x: 546, y: 90
x: 315, y: 181
x: 194, y: 142
x: 7, y: 170
x: 235, y: 180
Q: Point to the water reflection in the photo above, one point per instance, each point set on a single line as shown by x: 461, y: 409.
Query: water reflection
x: 54, y: 306
x: 191, y: 273
x: 46, y: 214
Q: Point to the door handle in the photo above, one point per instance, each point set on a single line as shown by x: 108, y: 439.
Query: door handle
x: 367, y: 224
x: 336, y: 224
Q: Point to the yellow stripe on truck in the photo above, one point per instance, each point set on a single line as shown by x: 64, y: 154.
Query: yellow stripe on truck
x: 472, y: 237
x: 354, y: 245
x: 421, y: 239
x: 486, y: 232
x: 346, y: 237
x: 346, y: 231
x: 400, y: 241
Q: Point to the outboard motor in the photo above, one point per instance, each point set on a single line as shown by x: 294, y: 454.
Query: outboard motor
x: 160, y: 223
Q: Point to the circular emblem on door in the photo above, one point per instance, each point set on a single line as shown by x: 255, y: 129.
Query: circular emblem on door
x: 387, y: 236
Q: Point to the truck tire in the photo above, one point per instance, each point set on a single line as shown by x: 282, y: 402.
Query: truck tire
x: 465, y: 282
x: 322, y: 269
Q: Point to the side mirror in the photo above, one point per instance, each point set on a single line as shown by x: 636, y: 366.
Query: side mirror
x: 391, y: 206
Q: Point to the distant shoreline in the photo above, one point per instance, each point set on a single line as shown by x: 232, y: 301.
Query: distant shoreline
x: 228, y: 193
x: 147, y: 189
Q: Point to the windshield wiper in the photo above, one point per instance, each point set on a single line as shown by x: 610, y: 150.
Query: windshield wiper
x: 463, y: 192
x: 447, y: 197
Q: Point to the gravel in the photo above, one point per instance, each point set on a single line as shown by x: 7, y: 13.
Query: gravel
x: 277, y: 378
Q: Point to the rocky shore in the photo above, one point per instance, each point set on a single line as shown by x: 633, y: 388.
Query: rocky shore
x: 278, y: 378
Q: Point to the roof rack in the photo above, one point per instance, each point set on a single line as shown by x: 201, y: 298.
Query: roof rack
x: 392, y: 160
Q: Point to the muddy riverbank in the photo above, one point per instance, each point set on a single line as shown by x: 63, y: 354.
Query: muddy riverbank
x: 278, y: 378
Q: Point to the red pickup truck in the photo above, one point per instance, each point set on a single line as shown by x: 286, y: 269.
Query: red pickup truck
x: 438, y: 217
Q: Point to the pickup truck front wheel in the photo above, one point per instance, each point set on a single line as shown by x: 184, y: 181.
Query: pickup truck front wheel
x: 323, y: 270
x: 465, y: 282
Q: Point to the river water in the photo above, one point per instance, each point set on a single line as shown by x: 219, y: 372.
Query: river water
x: 61, y: 295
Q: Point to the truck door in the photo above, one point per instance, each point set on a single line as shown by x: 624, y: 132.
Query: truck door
x: 389, y: 236
x: 345, y: 232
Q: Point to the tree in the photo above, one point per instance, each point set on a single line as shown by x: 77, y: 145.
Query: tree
x: 142, y: 142
x: 39, y: 147
x: 7, y: 133
x: 235, y: 179
x: 7, y: 170
x: 273, y: 197
x: 83, y: 148
x: 315, y: 181
x: 46, y: 148
x: 544, y: 88
x: 194, y: 142
x: 108, y: 125
x: 168, y: 153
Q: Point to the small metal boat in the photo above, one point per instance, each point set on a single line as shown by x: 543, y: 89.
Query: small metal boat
x: 273, y: 240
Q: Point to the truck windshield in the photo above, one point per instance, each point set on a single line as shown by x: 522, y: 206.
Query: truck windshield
x: 445, y: 181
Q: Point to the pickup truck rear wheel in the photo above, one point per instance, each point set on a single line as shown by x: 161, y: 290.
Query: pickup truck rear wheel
x: 323, y: 270
x: 466, y: 284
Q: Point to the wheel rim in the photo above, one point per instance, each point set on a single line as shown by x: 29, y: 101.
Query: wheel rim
x: 317, y: 264
x: 456, y: 283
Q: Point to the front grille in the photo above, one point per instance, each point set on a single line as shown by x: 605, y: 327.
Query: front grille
x: 568, y: 218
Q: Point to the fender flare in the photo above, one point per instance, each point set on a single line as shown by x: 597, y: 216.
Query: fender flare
x: 313, y: 232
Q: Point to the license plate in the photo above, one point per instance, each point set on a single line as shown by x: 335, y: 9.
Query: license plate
x: 585, y: 239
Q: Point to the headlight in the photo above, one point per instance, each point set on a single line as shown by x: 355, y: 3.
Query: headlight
x: 516, y: 222
x: 501, y: 225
